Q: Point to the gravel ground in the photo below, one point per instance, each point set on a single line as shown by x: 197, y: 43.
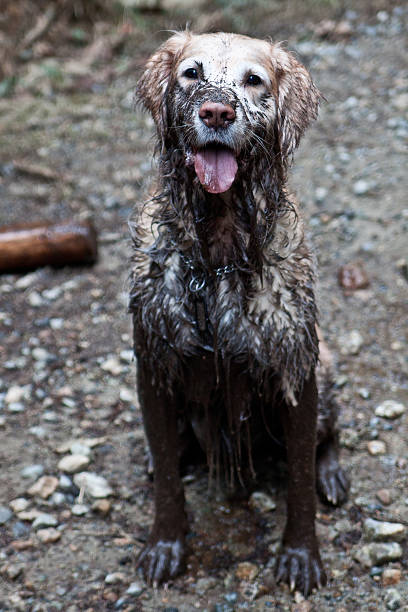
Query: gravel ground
x: 67, y: 375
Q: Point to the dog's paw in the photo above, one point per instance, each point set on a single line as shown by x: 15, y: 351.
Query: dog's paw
x: 332, y: 482
x: 301, y: 568
x: 162, y: 560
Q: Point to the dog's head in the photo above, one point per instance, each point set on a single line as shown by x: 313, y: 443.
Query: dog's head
x: 227, y: 100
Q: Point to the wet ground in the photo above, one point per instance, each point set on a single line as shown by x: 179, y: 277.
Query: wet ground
x: 66, y: 369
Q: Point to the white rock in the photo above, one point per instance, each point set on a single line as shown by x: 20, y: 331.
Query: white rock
x: 93, y: 484
x: 19, y: 504
x: 77, y: 448
x: 115, y: 578
x: 112, y: 365
x: 376, y: 447
x: 80, y: 509
x: 362, y: 187
x: 52, y: 294
x: 25, y: 281
x: 16, y: 394
x: 390, y: 409
x: 351, y: 343
x: 41, y: 354
x: 45, y: 520
x: 378, y: 553
x: 262, y: 502
x: 35, y: 299
x: 73, y: 463
x: 382, y: 531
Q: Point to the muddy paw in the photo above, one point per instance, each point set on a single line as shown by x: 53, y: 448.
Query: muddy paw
x: 332, y: 482
x: 162, y: 560
x: 301, y: 568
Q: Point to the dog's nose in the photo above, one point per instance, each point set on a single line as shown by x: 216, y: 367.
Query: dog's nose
x: 215, y: 114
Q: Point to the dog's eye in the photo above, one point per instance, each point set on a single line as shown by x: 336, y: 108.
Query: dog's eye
x: 253, y: 79
x: 191, y: 73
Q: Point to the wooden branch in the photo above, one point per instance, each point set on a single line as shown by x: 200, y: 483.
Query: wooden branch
x: 29, y: 246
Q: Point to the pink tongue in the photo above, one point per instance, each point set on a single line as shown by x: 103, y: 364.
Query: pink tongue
x: 216, y: 169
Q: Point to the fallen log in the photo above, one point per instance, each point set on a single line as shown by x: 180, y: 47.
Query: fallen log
x: 28, y: 246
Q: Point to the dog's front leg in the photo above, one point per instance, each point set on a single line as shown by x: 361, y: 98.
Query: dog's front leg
x: 299, y: 562
x: 164, y: 555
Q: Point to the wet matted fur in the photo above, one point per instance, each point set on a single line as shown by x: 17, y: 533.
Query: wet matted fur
x: 223, y: 289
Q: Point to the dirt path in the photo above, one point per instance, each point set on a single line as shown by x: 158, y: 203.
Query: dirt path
x: 66, y: 369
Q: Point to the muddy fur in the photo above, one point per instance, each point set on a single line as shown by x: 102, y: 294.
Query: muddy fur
x: 232, y: 354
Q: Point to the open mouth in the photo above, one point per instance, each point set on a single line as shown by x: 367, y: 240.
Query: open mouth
x: 216, y: 167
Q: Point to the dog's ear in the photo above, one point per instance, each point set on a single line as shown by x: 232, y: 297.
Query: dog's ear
x: 297, y: 101
x: 152, y: 86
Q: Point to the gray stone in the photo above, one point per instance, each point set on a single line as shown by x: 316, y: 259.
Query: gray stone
x: 45, y: 520
x: 32, y: 472
x: 5, y: 514
x: 136, y: 588
x: 393, y: 599
x: 80, y: 509
x: 383, y: 531
x: 378, y: 553
x: 262, y: 502
x: 351, y: 343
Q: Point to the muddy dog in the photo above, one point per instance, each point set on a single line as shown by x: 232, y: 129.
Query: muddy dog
x: 223, y: 291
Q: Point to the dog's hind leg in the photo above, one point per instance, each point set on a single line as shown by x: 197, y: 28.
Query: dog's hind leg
x: 164, y: 555
x: 331, y: 480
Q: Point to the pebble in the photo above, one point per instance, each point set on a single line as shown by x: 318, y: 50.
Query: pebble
x: 14, y: 570
x: 44, y: 487
x: 16, y: 407
x: 64, y: 482
x: 246, y: 571
x: 389, y: 409
x: 93, y: 484
x: 376, y: 447
x: 390, y: 576
x: 57, y: 498
x: 73, y: 463
x: 80, y: 509
x: 41, y: 354
x: 362, y: 187
x: 380, y: 531
x: 2, y: 421
x: 15, y: 394
x: 102, y: 506
x: 205, y: 584
x: 262, y: 502
x: 19, y: 504
x: 48, y: 536
x: 29, y: 515
x: 378, y: 553
x: 393, y: 599
x: 35, y: 300
x: 137, y: 588
x: 115, y: 578
x: 112, y: 365
x: 351, y: 343
x: 77, y: 448
x: 45, y: 520
x: 384, y: 496
x: 5, y: 514
x: 303, y: 606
